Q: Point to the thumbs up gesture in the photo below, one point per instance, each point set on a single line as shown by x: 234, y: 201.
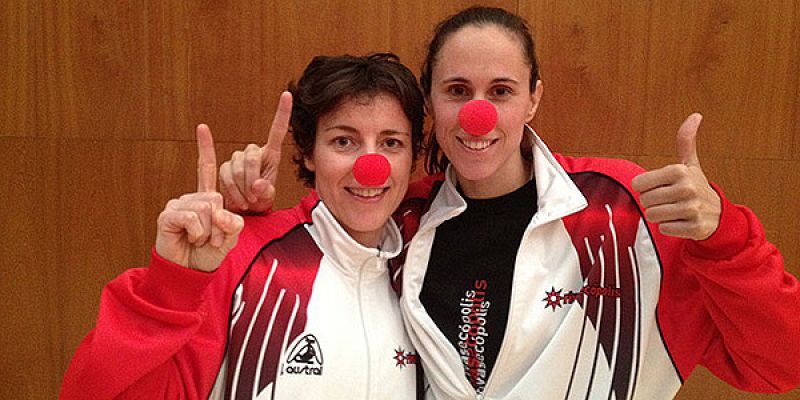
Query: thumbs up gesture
x: 678, y: 197
x: 195, y: 230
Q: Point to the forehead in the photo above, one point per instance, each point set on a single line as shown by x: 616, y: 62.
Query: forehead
x: 487, y: 48
x: 380, y: 112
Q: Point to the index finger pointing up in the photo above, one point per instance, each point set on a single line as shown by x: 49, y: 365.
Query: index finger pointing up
x: 280, y: 123
x: 206, y: 160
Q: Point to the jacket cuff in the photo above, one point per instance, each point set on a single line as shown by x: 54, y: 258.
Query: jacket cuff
x: 173, y: 286
x: 730, y: 237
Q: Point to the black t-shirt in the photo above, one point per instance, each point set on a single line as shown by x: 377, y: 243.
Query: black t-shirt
x: 467, y: 287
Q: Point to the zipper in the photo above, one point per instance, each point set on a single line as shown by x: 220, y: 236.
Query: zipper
x: 364, y: 326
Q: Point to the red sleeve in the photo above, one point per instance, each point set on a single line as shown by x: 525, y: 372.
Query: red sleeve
x: 161, y: 331
x: 152, y: 339
x: 752, y: 302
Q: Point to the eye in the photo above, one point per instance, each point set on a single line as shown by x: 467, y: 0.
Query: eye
x: 457, y: 91
x: 394, y: 143
x: 342, y: 142
x: 501, y: 91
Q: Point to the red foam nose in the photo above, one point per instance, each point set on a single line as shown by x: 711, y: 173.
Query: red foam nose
x: 477, y: 117
x: 372, y: 169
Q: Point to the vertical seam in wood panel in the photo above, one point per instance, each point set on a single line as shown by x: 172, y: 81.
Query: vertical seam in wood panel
x: 646, y: 65
x: 64, y: 350
x: 66, y: 70
x: 148, y: 84
x: 387, y: 40
x: 796, y: 48
x: 648, y: 52
x: 187, y: 54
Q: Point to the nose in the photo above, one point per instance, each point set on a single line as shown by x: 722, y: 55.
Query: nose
x: 372, y: 169
x: 477, y: 117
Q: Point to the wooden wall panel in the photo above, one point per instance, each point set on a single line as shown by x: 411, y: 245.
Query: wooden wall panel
x: 16, y: 69
x: 593, y: 66
x: 735, y: 61
x: 88, y: 69
x: 703, y: 385
x: 105, y: 67
x: 167, y: 105
x: 412, y: 25
x: 30, y: 340
x: 238, y: 57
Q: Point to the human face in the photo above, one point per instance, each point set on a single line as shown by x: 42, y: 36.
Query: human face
x: 483, y: 62
x: 355, y: 127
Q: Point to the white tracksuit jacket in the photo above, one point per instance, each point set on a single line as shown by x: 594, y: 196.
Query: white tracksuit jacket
x: 605, y: 307
x: 333, y: 319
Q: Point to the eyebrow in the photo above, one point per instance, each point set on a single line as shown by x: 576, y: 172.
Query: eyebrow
x: 350, y: 129
x: 458, y: 79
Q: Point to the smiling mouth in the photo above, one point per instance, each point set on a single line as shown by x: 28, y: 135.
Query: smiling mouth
x: 367, y: 193
x: 477, y: 144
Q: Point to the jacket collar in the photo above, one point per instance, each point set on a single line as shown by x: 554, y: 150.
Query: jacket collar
x: 557, y: 194
x: 345, y: 252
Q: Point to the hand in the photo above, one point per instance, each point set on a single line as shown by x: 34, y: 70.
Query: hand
x: 678, y: 197
x: 248, y: 179
x: 195, y: 230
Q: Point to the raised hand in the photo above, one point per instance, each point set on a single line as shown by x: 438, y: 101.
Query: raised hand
x: 678, y: 197
x: 248, y: 179
x: 195, y: 230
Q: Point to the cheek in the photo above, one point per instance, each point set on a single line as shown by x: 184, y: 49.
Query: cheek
x: 442, y: 135
x: 332, y: 169
x: 512, y: 117
x: 446, y: 113
x: 401, y: 167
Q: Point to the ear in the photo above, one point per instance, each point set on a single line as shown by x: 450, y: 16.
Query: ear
x: 536, y: 97
x: 309, y: 163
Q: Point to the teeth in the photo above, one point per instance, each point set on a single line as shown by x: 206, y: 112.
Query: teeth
x: 366, y: 192
x: 477, y: 144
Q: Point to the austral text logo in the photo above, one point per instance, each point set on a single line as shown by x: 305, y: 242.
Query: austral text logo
x: 554, y: 298
x: 305, y: 357
x: 405, y: 358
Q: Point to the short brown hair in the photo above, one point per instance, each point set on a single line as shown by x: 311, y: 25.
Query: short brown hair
x: 328, y: 81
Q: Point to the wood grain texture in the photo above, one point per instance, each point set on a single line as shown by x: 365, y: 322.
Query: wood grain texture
x: 703, y: 385
x: 736, y: 62
x: 593, y: 58
x: 30, y: 264
x: 16, y: 70
x: 412, y: 25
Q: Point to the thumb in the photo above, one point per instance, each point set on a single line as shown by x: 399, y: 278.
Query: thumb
x: 687, y: 140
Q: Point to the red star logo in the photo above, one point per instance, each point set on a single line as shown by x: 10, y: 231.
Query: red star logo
x: 553, y: 298
x: 403, y: 358
x: 400, y: 357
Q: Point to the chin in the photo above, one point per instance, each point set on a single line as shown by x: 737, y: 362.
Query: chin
x: 369, y: 222
x: 474, y: 174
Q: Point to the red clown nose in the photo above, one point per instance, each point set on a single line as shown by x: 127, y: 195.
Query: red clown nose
x: 372, y: 169
x: 477, y: 117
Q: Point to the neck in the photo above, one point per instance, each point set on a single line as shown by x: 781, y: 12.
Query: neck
x: 511, y: 177
x: 367, y: 239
